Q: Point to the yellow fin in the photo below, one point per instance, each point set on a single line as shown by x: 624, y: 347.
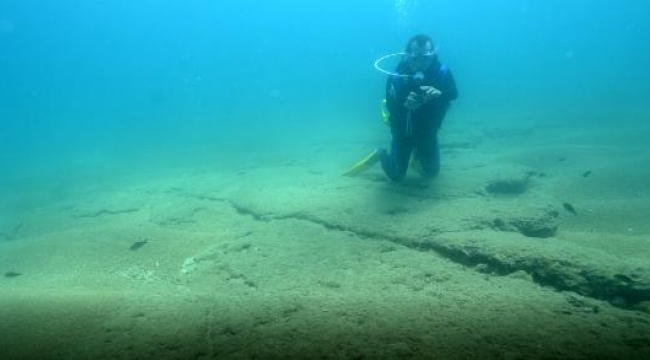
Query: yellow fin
x: 364, y: 165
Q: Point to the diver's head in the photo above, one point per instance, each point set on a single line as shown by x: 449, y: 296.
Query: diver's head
x: 419, y: 52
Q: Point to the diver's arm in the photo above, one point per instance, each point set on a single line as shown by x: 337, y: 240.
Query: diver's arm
x: 394, y: 97
x: 449, y: 91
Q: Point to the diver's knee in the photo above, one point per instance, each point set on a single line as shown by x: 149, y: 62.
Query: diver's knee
x: 430, y: 172
x: 393, y: 173
x: 396, y: 177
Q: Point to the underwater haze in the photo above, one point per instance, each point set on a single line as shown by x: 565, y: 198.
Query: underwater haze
x: 128, y: 83
x: 171, y: 182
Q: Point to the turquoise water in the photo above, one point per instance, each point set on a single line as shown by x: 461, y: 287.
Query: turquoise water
x: 131, y: 81
x: 170, y: 182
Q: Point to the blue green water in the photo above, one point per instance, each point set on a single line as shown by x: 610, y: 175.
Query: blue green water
x: 213, y: 133
x: 87, y: 84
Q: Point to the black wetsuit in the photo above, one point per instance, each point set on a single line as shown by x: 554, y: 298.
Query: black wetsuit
x: 416, y: 130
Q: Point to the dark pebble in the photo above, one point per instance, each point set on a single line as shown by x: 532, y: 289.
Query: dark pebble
x: 138, y: 244
x: 568, y: 207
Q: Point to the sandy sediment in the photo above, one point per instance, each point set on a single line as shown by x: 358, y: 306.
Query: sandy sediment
x: 290, y: 260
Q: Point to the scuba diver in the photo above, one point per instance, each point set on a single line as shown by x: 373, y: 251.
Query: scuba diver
x: 418, y: 95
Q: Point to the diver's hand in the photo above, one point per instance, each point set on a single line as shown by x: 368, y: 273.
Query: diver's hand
x: 430, y: 93
x: 413, y: 101
x: 416, y: 100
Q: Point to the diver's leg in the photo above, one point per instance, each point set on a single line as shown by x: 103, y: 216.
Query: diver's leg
x: 428, y: 154
x: 396, y: 163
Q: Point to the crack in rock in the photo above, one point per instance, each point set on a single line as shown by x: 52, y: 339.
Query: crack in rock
x: 619, y: 290
x: 98, y: 213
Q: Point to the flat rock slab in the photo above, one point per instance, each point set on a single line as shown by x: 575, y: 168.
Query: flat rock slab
x: 503, y: 233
